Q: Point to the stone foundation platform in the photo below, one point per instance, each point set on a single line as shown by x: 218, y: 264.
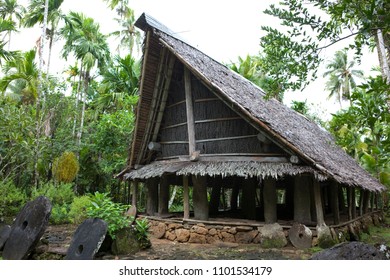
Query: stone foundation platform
x: 267, y: 235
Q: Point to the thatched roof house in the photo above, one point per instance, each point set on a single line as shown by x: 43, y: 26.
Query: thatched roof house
x: 200, y: 124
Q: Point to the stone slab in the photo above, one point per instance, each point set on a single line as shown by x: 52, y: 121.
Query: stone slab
x: 87, y: 240
x: 28, y: 228
x: 5, y: 231
x: 300, y: 236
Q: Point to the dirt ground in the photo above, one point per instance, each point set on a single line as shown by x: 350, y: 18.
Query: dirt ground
x: 56, y: 240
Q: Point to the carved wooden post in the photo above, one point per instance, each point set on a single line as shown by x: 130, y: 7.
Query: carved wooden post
x: 335, y: 202
x: 163, y: 198
x: 152, y: 197
x: 269, y: 191
x: 201, y: 205
x: 302, y: 186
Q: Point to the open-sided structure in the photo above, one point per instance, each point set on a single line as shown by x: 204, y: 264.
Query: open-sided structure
x: 199, y: 125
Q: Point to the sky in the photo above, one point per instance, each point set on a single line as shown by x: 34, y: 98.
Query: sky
x: 222, y: 29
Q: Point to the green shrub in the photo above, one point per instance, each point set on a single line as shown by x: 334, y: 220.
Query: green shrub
x: 58, y: 194
x: 78, y: 209
x: 61, y: 196
x: 12, y: 199
x: 112, y: 213
x: 59, y: 214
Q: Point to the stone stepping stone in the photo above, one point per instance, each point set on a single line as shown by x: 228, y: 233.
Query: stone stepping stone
x: 5, y: 231
x: 87, y: 240
x: 300, y: 236
x: 28, y: 228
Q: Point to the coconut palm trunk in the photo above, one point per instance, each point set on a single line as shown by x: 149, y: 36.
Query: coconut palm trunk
x: 39, y: 95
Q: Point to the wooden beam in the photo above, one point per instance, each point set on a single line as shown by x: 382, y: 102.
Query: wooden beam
x: 186, y: 198
x: 270, y: 197
x: 366, y: 201
x: 318, y: 203
x: 226, y: 138
x: 165, y: 89
x: 190, y: 111
x: 215, y: 199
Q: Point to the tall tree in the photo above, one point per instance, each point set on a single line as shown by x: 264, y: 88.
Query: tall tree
x: 11, y: 11
x: 341, y: 76
x: 84, y: 40
x: 5, y: 27
x: 35, y: 14
x: 293, y: 56
x: 21, y: 78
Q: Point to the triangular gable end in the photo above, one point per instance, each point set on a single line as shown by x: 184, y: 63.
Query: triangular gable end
x: 218, y: 130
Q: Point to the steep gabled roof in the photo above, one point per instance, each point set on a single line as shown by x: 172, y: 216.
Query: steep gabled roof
x: 289, y: 129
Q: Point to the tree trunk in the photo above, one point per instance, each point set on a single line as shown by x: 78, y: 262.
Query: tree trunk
x: 381, y: 47
x: 39, y: 95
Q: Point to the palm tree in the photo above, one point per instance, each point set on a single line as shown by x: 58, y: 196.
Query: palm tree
x: 84, y: 40
x: 5, y: 27
x: 120, y: 81
x: 36, y: 14
x: 10, y: 10
x: 341, y: 76
x: 20, y: 78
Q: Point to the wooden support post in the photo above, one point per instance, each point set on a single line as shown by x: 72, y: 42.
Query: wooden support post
x: 302, y: 186
x: 135, y: 193
x: 186, y: 198
x: 269, y: 191
x: 353, y: 203
x: 152, y: 196
x: 235, y: 193
x: 249, y: 198
x: 201, y: 205
x: 372, y: 201
x: 341, y: 206
x: 163, y: 198
x: 366, y: 201
x: 215, y: 199
x: 335, y: 202
x: 318, y: 203
x: 361, y: 202
x: 377, y: 195
x: 190, y: 112
x: 349, y: 199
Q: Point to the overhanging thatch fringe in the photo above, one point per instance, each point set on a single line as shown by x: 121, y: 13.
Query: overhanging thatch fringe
x: 244, y: 169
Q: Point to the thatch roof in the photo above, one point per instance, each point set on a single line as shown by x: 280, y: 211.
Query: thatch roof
x: 312, y: 144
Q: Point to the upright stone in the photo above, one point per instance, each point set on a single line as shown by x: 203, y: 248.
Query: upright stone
x: 269, y: 191
x: 28, y: 228
x: 87, y: 240
x: 300, y: 236
x: 201, y: 205
x: 5, y: 231
x: 302, y: 213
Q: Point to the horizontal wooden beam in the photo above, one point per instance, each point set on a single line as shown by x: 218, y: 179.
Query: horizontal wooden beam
x: 271, y: 158
x: 226, y: 138
x: 202, y: 121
